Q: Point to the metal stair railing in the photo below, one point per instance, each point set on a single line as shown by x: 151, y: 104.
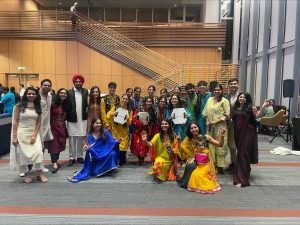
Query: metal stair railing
x: 49, y: 24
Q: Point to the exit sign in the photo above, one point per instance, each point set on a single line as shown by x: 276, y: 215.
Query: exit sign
x: 21, y: 68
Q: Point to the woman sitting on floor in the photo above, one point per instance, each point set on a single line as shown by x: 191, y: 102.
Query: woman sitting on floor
x: 163, y: 150
x: 102, y: 153
x: 199, y: 174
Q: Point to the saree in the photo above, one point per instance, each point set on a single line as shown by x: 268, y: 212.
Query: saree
x: 100, y: 158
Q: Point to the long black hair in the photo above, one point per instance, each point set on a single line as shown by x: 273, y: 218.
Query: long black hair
x: 170, y: 132
x: 66, y: 104
x: 188, y: 129
x: 92, y: 129
x: 179, y: 104
x: 247, y: 109
x: 37, y: 101
x: 152, y: 112
x: 98, y: 100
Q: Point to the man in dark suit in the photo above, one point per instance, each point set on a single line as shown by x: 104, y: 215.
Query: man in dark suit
x: 77, y: 119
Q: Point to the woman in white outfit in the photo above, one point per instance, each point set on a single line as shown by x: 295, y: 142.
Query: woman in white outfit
x: 25, y: 134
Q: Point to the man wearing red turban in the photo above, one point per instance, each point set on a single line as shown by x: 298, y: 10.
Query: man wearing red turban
x: 77, y: 119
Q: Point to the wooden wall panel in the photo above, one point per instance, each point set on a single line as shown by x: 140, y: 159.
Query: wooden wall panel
x: 83, y: 59
x: 105, y: 65
x: 15, y: 56
x: 116, y: 68
x: 190, y: 55
x: 49, y: 56
x: 72, y: 59
x: 180, y: 56
x: 94, y: 62
x: 60, y: 57
x: 200, y: 55
x: 26, y: 51
x: 96, y: 80
x: 4, y: 56
x: 38, y: 59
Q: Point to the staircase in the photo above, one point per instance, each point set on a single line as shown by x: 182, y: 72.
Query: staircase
x: 162, y: 71
x: 56, y: 24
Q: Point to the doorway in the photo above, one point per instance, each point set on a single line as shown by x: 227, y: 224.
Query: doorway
x: 15, y: 79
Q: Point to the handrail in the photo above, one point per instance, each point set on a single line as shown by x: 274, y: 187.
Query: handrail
x: 91, y: 33
x: 162, y: 71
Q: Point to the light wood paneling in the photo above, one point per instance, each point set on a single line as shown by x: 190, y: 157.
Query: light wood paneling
x: 105, y: 65
x: 116, y: 68
x: 38, y: 56
x: 72, y: 59
x: 49, y: 57
x: 27, y: 50
x: 180, y: 55
x: 83, y: 59
x: 60, y: 57
x: 94, y: 62
x: 15, y: 56
x: 4, y: 60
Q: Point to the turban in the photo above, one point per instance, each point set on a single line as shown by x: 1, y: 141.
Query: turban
x: 76, y: 77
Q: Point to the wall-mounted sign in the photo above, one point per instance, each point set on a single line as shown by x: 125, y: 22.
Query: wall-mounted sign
x: 21, y: 68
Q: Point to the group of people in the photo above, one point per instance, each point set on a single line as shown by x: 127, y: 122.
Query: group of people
x: 194, y: 131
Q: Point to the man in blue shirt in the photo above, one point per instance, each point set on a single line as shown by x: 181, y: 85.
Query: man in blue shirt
x: 8, y: 100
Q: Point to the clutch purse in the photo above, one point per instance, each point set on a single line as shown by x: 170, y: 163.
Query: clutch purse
x: 201, y: 158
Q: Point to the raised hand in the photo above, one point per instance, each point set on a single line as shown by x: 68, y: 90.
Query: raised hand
x: 119, y: 139
x: 144, y: 136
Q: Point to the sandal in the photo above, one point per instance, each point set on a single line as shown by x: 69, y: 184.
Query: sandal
x: 42, y: 178
x: 27, y: 179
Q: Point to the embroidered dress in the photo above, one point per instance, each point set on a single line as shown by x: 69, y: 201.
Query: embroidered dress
x: 58, y: 129
x: 100, y: 159
x: 180, y: 128
x: 201, y: 175
x: 164, y: 163
x: 120, y: 130
x: 215, y: 111
x: 94, y: 112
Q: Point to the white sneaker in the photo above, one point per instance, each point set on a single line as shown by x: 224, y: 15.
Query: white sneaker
x: 45, y: 170
x: 22, y: 174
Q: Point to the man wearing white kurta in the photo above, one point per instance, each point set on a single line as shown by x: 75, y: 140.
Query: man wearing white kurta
x: 77, y: 119
x: 46, y: 100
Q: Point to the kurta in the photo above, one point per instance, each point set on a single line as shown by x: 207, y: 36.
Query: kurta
x: 94, y: 112
x: 46, y: 113
x: 180, y: 128
x: 191, y: 102
x: 78, y: 129
x: 101, y: 158
x: 215, y: 111
x: 202, y: 100
x: 119, y: 130
x: 247, y: 146
x: 58, y: 129
x: 29, y: 153
x: 164, y: 163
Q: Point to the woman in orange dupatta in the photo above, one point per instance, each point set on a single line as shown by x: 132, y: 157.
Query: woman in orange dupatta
x: 199, y: 174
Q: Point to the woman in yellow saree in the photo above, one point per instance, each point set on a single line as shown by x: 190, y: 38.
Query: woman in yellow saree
x: 163, y: 150
x: 199, y: 174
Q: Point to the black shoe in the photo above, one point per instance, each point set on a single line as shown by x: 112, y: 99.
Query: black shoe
x: 80, y: 160
x: 71, y: 162
x: 54, y: 170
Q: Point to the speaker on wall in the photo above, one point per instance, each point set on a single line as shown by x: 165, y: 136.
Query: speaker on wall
x: 288, y: 88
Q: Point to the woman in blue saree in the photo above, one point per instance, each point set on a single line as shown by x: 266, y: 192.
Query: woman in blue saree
x: 102, y: 153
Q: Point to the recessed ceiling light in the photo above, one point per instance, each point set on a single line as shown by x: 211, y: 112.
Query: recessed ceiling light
x: 60, y: 3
